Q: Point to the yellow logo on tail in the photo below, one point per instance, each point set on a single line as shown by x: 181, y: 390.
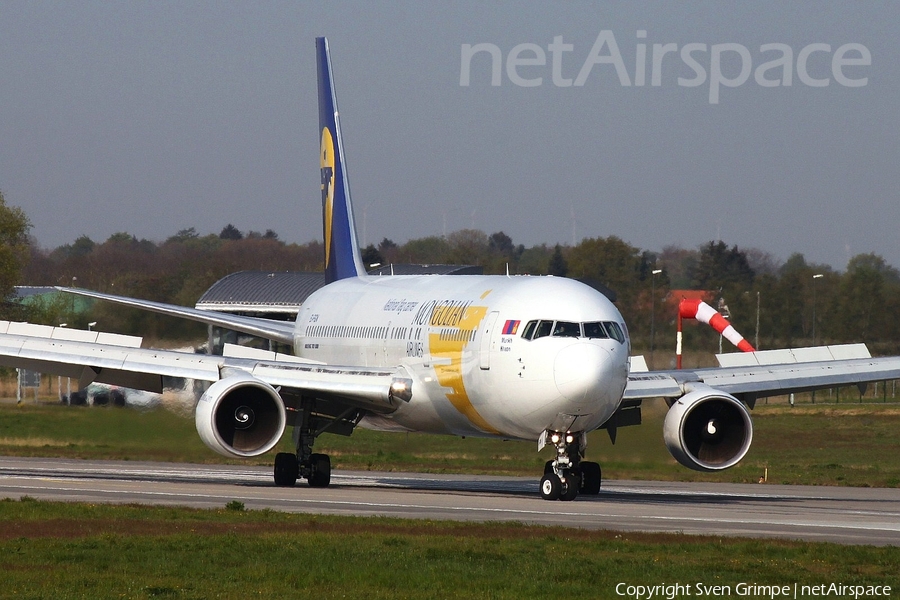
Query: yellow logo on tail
x: 327, y: 171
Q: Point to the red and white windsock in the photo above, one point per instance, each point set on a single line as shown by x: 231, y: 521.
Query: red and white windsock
x: 703, y: 312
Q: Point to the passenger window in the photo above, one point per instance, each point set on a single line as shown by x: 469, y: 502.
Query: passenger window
x: 544, y: 329
x: 595, y: 330
x: 566, y: 329
x: 615, y: 331
x: 529, y: 330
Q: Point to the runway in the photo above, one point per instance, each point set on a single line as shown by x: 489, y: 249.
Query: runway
x: 841, y: 515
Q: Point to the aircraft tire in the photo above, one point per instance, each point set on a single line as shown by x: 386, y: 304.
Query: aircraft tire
x: 286, y: 469
x: 321, y: 470
x: 551, y: 487
x: 573, y: 482
x: 590, y: 478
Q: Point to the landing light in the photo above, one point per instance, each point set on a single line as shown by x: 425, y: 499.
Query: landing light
x: 401, y: 389
x: 554, y: 438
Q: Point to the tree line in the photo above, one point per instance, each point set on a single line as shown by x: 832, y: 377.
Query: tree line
x: 794, y: 302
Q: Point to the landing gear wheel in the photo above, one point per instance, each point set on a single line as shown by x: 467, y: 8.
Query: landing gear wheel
x: 590, y: 478
x: 548, y: 467
x: 286, y: 469
x: 551, y: 487
x: 320, y: 470
x: 570, y: 491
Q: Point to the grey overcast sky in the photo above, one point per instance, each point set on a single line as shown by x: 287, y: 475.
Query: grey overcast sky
x: 151, y: 117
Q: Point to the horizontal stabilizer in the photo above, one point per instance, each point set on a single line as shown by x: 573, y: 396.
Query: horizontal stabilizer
x: 277, y: 331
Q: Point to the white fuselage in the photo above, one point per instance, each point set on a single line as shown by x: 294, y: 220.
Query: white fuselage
x: 460, y: 338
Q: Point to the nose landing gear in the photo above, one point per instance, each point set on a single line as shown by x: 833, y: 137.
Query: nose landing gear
x: 567, y: 476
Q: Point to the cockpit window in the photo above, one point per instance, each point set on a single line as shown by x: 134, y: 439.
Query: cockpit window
x: 615, y: 332
x: 544, y: 329
x: 566, y: 329
x: 529, y: 330
x: 595, y: 330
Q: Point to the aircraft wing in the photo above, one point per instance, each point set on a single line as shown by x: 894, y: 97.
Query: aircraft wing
x: 278, y: 331
x: 118, y: 360
x: 770, y: 373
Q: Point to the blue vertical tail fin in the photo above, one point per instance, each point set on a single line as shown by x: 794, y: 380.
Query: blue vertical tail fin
x: 342, y: 257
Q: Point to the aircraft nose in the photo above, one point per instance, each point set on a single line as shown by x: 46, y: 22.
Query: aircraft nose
x: 580, y: 371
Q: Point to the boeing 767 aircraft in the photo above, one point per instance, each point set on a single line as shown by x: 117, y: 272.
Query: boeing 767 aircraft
x: 544, y: 359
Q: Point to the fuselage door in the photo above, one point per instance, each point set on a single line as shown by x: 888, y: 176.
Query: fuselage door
x: 487, y: 328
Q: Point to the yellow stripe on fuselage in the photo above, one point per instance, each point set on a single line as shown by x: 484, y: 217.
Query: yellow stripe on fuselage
x: 451, y: 375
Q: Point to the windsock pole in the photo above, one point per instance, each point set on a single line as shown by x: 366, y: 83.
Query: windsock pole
x: 703, y: 312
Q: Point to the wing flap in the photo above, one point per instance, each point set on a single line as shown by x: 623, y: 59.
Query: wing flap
x: 772, y: 372
x: 767, y: 380
x: 374, y: 389
x: 800, y: 377
x: 104, y: 363
x: 793, y: 355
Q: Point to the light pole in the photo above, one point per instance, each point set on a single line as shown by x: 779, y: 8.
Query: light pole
x: 653, y: 275
x: 68, y: 382
x: 756, y: 338
x: 815, y: 277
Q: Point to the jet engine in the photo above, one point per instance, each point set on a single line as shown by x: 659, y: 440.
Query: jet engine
x: 240, y: 416
x: 708, y: 430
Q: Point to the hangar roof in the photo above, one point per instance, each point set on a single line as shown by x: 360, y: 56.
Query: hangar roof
x: 261, y: 292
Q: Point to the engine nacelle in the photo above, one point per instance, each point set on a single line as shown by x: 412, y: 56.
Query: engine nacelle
x: 240, y: 416
x: 708, y: 430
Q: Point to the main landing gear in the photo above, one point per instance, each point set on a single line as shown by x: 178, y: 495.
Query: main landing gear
x: 312, y: 421
x: 315, y: 468
x: 568, y: 475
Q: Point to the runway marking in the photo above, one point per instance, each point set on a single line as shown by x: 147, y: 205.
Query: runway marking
x: 845, y: 515
x: 463, y: 509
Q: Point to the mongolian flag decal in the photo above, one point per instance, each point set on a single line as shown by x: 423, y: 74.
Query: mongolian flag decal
x: 511, y: 327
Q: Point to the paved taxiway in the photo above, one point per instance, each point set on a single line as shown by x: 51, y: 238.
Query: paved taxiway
x: 843, y: 515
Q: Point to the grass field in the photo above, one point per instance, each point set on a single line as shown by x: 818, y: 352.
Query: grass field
x: 50, y: 550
